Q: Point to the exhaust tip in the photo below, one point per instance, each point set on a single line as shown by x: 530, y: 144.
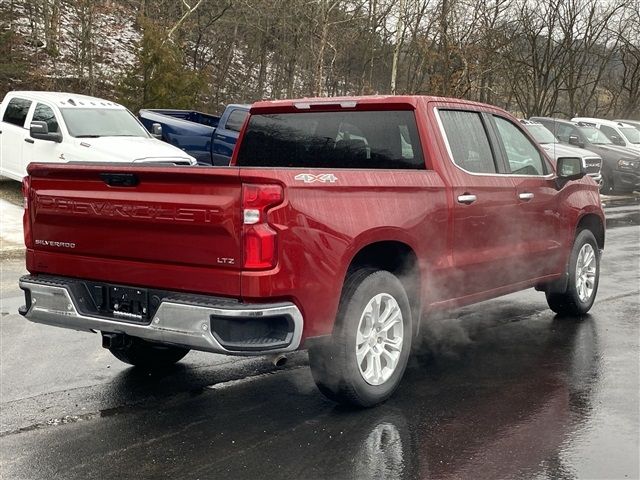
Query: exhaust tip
x: 279, y: 360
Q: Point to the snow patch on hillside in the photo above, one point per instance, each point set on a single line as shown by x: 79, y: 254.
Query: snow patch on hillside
x: 108, y: 31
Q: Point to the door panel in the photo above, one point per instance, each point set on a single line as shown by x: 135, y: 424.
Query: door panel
x: 13, y: 137
x: 483, y: 203
x: 12, y: 144
x: 539, y: 242
x: 536, y: 221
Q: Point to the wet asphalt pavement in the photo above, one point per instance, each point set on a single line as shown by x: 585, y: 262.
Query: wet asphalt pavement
x: 502, y: 389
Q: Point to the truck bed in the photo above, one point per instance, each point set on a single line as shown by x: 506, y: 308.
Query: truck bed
x: 185, y: 115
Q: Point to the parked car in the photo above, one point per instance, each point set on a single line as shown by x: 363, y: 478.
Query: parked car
x: 633, y: 123
x: 620, y: 166
x: 619, y: 133
x: 592, y: 162
x: 65, y: 127
x: 340, y: 224
x: 210, y: 139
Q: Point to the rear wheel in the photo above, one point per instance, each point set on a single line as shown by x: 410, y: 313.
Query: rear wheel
x: 584, y: 273
x: 363, y: 361
x: 145, y: 354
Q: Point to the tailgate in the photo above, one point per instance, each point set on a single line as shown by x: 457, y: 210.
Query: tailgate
x: 169, y: 227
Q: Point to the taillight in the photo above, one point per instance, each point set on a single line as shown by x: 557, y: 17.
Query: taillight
x: 260, y: 246
x: 26, y: 223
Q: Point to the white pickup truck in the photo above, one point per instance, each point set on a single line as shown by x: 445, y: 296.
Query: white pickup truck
x: 65, y: 127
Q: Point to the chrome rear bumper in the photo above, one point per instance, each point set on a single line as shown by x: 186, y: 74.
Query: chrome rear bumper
x: 51, y: 301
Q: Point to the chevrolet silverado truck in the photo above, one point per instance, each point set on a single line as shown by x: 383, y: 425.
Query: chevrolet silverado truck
x: 340, y: 226
x: 66, y: 127
x: 209, y: 138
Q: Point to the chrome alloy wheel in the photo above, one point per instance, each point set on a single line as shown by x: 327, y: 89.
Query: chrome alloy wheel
x: 586, y: 266
x: 379, y: 339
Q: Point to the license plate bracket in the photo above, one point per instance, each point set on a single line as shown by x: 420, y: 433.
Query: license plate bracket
x: 128, y: 303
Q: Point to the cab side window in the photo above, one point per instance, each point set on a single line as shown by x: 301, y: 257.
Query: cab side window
x: 16, y: 112
x: 44, y: 113
x: 522, y: 155
x: 236, y: 119
x: 468, y: 141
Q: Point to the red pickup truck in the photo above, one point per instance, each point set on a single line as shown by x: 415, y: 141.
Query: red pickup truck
x: 340, y: 224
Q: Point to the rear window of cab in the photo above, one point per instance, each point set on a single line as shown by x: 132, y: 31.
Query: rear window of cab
x: 371, y: 140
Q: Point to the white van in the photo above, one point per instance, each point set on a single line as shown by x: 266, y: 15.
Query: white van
x: 619, y: 133
x: 65, y: 127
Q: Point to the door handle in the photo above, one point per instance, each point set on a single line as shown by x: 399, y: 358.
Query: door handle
x: 525, y: 196
x: 219, y: 137
x: 467, y: 198
x: 29, y: 140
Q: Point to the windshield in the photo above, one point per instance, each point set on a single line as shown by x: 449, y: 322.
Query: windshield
x: 541, y: 134
x: 102, y: 122
x: 631, y: 134
x: 595, y: 136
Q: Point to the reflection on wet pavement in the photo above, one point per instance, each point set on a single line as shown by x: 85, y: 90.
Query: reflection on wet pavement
x: 506, y: 405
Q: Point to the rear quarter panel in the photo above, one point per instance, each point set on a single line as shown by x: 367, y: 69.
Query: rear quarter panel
x: 322, y: 226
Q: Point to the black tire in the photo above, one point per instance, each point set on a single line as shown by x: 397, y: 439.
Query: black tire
x: 148, y: 355
x: 569, y: 301
x: 333, y: 363
x: 607, y: 184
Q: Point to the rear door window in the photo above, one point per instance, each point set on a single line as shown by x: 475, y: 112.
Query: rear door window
x: 468, y: 141
x: 372, y: 140
x: 16, y: 112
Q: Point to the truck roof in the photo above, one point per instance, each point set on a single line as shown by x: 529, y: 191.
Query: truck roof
x: 601, y: 121
x: 553, y: 119
x: 67, y: 100
x: 352, y: 101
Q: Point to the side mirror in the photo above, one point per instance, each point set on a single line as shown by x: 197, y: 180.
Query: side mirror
x: 568, y: 169
x: 156, y: 131
x: 40, y: 131
x: 574, y: 140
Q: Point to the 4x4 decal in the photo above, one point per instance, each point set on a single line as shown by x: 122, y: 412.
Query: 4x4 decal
x: 310, y: 178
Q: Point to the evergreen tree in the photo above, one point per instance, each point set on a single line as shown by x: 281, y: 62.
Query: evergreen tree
x: 159, y: 78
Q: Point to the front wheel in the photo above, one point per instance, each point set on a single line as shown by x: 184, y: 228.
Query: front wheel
x: 606, y: 187
x: 584, y: 274
x: 363, y: 361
